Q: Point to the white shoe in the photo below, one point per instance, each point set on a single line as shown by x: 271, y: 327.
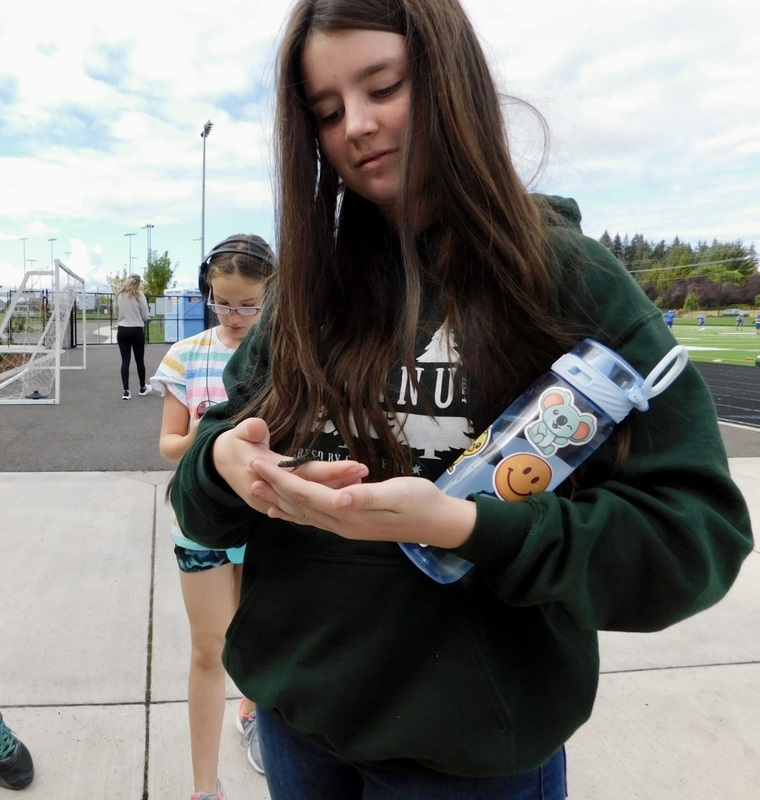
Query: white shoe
x: 251, y: 739
x: 147, y: 389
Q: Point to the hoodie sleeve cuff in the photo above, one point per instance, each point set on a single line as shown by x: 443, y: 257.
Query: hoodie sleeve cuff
x: 499, y: 533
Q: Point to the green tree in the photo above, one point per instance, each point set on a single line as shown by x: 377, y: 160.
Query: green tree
x: 691, y: 302
x: 617, y: 246
x: 159, y: 274
x: 606, y: 240
x: 718, y: 273
x: 116, y: 281
x: 734, y: 255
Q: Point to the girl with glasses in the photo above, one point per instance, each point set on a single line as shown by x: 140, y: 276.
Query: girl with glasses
x: 234, y: 278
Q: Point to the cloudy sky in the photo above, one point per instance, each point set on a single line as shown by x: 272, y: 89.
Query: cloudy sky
x: 653, y: 111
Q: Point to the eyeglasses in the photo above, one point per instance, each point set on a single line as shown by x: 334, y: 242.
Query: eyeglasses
x: 225, y: 311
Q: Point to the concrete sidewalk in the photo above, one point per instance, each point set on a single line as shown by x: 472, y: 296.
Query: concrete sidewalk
x: 94, y: 649
x: 94, y: 641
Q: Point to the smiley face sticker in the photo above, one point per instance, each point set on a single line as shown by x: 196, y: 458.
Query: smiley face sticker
x: 521, y: 475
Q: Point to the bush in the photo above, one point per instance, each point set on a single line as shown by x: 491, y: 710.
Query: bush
x: 691, y: 302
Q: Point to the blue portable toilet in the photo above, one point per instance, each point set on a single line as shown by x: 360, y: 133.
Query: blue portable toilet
x: 192, y: 320
x: 185, y: 314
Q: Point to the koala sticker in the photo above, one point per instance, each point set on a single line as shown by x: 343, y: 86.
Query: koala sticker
x: 559, y: 423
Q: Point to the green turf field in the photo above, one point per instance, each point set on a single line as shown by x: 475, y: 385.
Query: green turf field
x: 720, y: 340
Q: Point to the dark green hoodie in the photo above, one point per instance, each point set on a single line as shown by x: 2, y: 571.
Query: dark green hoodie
x: 357, y: 648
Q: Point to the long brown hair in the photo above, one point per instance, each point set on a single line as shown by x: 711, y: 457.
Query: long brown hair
x: 341, y: 320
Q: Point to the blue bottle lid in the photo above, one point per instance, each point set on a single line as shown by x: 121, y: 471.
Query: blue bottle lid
x: 611, y: 383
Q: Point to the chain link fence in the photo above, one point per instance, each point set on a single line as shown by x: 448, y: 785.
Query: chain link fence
x: 172, y: 317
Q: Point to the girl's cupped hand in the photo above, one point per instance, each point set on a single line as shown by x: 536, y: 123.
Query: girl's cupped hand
x: 239, y: 452
x: 402, y: 509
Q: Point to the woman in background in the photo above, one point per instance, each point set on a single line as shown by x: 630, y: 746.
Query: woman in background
x: 131, y: 316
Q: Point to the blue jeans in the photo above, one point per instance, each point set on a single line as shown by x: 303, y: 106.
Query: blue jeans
x: 298, y: 769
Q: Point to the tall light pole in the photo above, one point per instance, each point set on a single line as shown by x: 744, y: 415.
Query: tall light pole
x: 148, y: 228
x: 23, y: 241
x: 51, y: 251
x: 130, y: 249
x: 204, y: 135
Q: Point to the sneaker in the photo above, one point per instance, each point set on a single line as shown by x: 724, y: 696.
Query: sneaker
x: 220, y: 794
x: 16, y: 767
x: 243, y: 720
x: 147, y: 389
x: 251, y: 740
x: 127, y: 395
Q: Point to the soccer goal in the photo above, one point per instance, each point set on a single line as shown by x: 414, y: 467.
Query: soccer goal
x: 37, y: 333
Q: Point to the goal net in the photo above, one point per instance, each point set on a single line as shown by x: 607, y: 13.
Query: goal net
x: 36, y: 336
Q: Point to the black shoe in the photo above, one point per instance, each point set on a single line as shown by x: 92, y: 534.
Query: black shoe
x: 16, y: 767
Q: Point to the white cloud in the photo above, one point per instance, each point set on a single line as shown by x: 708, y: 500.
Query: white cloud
x: 652, y: 115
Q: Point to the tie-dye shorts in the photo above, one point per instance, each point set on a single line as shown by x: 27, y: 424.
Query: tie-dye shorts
x: 200, y: 560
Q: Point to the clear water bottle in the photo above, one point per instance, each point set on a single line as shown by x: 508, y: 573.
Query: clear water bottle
x: 556, y: 424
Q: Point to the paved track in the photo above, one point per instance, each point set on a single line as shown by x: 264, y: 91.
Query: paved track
x: 736, y: 391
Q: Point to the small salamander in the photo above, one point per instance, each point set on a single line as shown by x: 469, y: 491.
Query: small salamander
x: 294, y: 463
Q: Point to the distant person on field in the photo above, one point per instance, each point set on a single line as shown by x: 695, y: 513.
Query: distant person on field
x: 701, y: 321
x: 131, y: 316
x: 669, y: 317
x: 739, y: 320
x: 757, y: 323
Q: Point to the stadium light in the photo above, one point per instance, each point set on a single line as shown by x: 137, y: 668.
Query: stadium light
x: 204, y: 135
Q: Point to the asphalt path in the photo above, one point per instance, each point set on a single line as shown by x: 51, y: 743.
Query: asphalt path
x: 93, y: 430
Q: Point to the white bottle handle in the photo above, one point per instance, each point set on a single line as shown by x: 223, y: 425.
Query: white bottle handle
x: 664, y: 373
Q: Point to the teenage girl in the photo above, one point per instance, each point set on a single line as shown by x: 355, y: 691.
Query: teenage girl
x: 234, y: 278
x: 131, y: 316
x: 412, y: 265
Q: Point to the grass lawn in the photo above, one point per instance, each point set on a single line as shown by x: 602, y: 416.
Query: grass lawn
x: 720, y: 340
